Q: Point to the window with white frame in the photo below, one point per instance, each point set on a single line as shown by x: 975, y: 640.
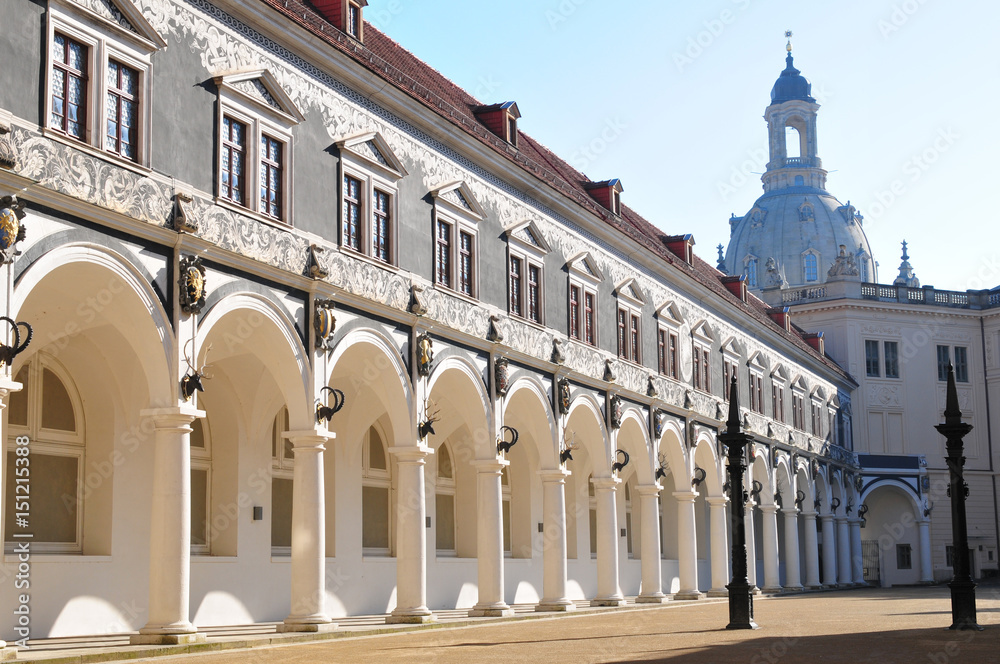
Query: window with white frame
x: 282, y: 474
x: 508, y: 542
x: 629, y: 321
x: 628, y: 491
x: 526, y: 249
x: 730, y: 367
x: 370, y: 174
x: 701, y: 358
x: 750, y: 270
x: 98, y: 77
x: 779, y: 379
x: 376, y: 482
x: 669, y: 320
x: 816, y: 416
x: 592, y: 495
x: 584, y: 280
x: 961, y: 355
x: 49, y: 413
x: 456, y: 218
x: 756, y: 389
x: 810, y: 266
x: 798, y: 407
x: 444, y: 499
x: 201, y: 487
x: 255, y: 144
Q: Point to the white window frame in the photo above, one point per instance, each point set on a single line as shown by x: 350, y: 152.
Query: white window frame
x: 669, y: 321
x: 819, y: 266
x: 798, y: 391
x: 585, y: 275
x: 105, y: 40
x: 702, y: 340
x: 531, y: 255
x: 376, y: 477
x: 461, y: 220
x: 779, y: 384
x: 731, y: 353
x: 373, y: 175
x: 282, y: 466
x: 756, y: 369
x: 446, y: 486
x: 51, y: 442
x: 201, y: 459
x: 630, y: 301
x: 260, y: 119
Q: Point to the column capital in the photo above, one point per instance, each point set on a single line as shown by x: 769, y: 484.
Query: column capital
x: 606, y: 483
x: 826, y: 517
x: 717, y: 501
x: 8, y: 386
x: 790, y: 511
x: 649, y: 490
x: 487, y: 466
x: 769, y: 508
x: 810, y: 514
x: 308, y: 440
x: 685, y: 496
x: 176, y: 417
x: 554, y: 475
x: 411, y: 453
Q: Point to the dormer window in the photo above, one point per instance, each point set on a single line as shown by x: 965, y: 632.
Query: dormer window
x: 354, y: 20
x: 681, y: 246
x: 500, y: 119
x: 608, y: 194
x: 345, y: 15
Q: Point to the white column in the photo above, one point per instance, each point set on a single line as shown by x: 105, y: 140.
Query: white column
x: 720, y: 547
x: 170, y: 532
x: 751, y: 546
x: 812, y: 551
x: 857, y: 556
x: 926, y: 569
x: 411, y: 537
x: 772, y: 579
x: 308, y: 535
x: 687, y: 546
x: 829, y: 551
x: 608, y: 591
x: 652, y: 572
x: 844, y: 574
x: 554, y: 544
x: 793, y: 573
x: 6, y: 387
x: 489, y: 540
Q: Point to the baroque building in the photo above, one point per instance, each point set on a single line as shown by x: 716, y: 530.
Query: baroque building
x: 306, y: 314
x: 802, y: 249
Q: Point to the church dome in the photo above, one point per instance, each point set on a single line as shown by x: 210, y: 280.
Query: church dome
x: 791, y: 85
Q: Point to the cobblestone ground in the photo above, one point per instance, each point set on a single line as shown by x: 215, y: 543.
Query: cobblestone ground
x: 868, y: 625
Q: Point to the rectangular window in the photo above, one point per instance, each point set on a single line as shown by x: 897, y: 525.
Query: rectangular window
x: 281, y: 516
x: 672, y: 351
x: 442, y: 267
x: 943, y: 360
x: 382, y: 227
x: 961, y: 364
x: 465, y: 267
x: 445, y: 521
x: 814, y: 419
x: 515, y: 286
x: 589, y: 318
x: 375, y: 517
x: 904, y: 556
x: 69, y: 87
x: 661, y: 351
x: 199, y: 510
x: 871, y: 359
x: 123, y: 107
x: 234, y: 156
x: 891, y: 359
x: 47, y: 498
x: 270, y: 177
x: 701, y: 369
x: 353, y: 20
x: 778, y: 402
x: 757, y: 393
x: 729, y: 369
x: 351, y: 232
x: 534, y: 293
x: 635, y: 339
x: 706, y: 370
x: 574, y: 312
x: 623, y: 333
x: 798, y: 412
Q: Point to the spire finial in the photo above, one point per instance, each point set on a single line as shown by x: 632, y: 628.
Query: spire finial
x: 722, y: 259
x: 788, y: 36
x: 905, y: 257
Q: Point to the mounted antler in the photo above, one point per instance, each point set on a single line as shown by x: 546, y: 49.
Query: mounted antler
x: 504, y: 445
x: 427, y: 426
x: 8, y: 353
x: 617, y: 466
x: 699, y: 477
x: 566, y: 454
x: 661, y: 470
x: 324, y: 411
x: 191, y: 382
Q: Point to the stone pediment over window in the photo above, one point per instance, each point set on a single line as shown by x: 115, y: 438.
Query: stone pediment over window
x: 375, y: 150
x: 528, y: 234
x: 757, y: 216
x: 758, y: 361
x: 630, y: 290
x: 668, y: 312
x: 780, y: 374
x: 124, y: 16
x: 585, y: 265
x: 458, y: 196
x: 261, y: 90
x: 799, y: 384
x: 703, y: 330
x: 732, y: 347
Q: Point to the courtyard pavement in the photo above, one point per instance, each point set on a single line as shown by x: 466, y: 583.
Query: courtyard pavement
x: 849, y: 626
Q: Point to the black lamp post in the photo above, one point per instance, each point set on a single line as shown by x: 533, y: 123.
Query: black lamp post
x: 740, y: 597
x: 963, y: 588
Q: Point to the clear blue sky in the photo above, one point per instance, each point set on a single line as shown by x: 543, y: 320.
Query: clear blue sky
x: 909, y: 89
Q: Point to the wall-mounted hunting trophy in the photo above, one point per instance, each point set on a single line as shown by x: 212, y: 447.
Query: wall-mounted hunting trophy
x: 192, y: 284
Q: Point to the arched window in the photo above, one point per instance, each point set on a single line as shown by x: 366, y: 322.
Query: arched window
x: 201, y: 487
x: 375, y: 484
x: 282, y: 463
x: 793, y: 143
x: 799, y: 180
x: 508, y: 546
x: 810, y: 267
x: 445, y: 502
x: 751, y: 271
x: 593, y: 516
x: 628, y: 518
x: 48, y: 413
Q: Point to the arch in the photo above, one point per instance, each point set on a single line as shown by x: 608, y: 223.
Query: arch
x: 293, y: 385
x: 598, y: 446
x: 632, y: 437
x: 147, y: 329
x: 466, y: 402
x: 761, y: 472
x: 538, y: 420
x: 821, y: 492
x: 705, y: 455
x: 670, y: 448
x: 784, y: 480
x: 900, y: 485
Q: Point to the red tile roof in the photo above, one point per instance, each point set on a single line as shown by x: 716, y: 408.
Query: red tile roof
x: 387, y: 59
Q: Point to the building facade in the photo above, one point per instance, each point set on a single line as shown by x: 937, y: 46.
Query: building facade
x: 315, y: 334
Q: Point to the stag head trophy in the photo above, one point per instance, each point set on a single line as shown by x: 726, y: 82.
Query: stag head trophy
x: 426, y: 427
x: 566, y: 453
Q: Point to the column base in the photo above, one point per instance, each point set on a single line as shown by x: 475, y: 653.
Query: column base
x: 555, y: 605
x: 794, y: 589
x: 655, y: 598
x: 159, y: 639
x: 500, y: 610
x: 754, y: 590
x: 410, y: 617
x: 315, y: 628
x: 718, y: 592
x: 814, y: 586
x: 608, y: 601
x: 771, y: 589
x: 8, y: 654
x: 689, y: 595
